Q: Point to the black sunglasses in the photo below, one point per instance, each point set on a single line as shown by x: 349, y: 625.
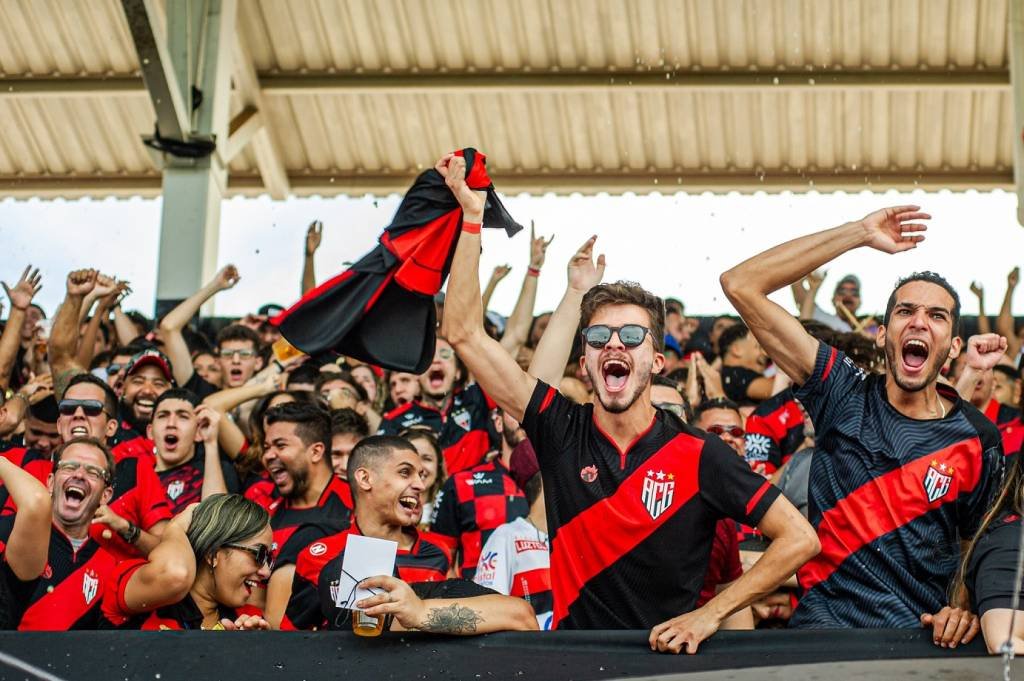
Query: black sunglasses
x: 260, y: 552
x: 90, y: 407
x: 631, y: 335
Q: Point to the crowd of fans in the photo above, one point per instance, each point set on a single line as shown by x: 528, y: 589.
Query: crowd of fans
x: 611, y: 464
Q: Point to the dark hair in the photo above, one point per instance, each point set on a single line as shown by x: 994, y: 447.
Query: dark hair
x: 238, y: 332
x: 861, y: 350
x: 714, y: 403
x: 1009, y: 372
x: 101, y: 359
x: 139, y: 319
x: 532, y: 489
x: 45, y: 410
x: 673, y: 305
x: 931, y: 278
x: 93, y: 442
x: 304, y: 373
x: 819, y: 330
x: 369, y: 452
x: 250, y: 462
x: 731, y: 335
x: 109, y: 396
x: 177, y: 394
x: 312, y: 422
x: 626, y: 293
x: 348, y: 422
x: 345, y: 377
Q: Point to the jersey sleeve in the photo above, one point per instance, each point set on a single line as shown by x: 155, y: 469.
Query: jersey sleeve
x: 114, y: 608
x: 494, y: 569
x: 993, y: 568
x: 834, y: 379
x: 444, y: 521
x: 303, y: 536
x: 972, y: 507
x: 546, y: 422
x: 729, y: 486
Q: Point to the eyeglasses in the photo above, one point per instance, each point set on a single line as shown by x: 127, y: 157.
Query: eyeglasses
x: 445, y: 353
x: 95, y: 472
x: 631, y: 335
x: 676, y: 409
x: 90, y: 407
x: 242, y: 354
x: 732, y: 431
x: 260, y: 553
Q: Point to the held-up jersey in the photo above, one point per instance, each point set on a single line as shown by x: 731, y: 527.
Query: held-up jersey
x: 631, y: 531
x: 68, y: 593
x: 320, y: 562
x: 891, y: 497
x: 296, y: 528
x: 515, y: 561
x: 470, y: 505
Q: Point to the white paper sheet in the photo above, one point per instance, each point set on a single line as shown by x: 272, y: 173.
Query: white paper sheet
x: 364, y: 557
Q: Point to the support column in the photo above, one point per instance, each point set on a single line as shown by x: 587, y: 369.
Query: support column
x: 1017, y: 81
x: 187, y: 70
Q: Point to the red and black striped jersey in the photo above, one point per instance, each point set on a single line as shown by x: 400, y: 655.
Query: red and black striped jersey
x: 183, y: 484
x: 296, y: 528
x: 890, y: 496
x: 775, y: 431
x: 139, y: 497
x: 68, y: 593
x: 464, y: 429
x: 470, y: 505
x: 631, y: 530
x: 180, y: 616
x: 426, y: 561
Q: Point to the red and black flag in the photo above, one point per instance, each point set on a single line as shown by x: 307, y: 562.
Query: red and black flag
x: 381, y: 310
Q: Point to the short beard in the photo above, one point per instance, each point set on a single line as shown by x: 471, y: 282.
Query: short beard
x: 300, y: 482
x: 892, y: 361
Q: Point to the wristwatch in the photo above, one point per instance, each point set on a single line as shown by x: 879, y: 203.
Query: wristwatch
x: 131, y: 535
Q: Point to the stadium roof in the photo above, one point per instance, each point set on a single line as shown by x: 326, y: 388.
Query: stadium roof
x: 355, y: 96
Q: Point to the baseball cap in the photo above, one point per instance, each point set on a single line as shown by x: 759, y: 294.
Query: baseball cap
x: 849, y: 279
x: 522, y: 464
x: 672, y: 344
x: 152, y: 357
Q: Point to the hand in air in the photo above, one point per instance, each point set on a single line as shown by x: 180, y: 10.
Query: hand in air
x: 313, y: 236
x: 453, y: 170
x: 82, y: 282
x: 584, y: 274
x: 538, y: 248
x: 226, y: 278
x: 22, y: 293
x: 985, y: 350
x: 893, y: 230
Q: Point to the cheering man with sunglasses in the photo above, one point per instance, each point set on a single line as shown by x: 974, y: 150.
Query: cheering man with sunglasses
x: 628, y: 487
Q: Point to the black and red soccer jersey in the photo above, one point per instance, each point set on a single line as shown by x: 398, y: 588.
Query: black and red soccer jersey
x: 775, y: 431
x: 1001, y: 414
x: 68, y: 593
x: 409, y: 415
x: 180, y: 616
x: 891, y: 497
x: 470, y: 505
x: 31, y: 460
x: 183, y: 484
x: 139, y: 497
x: 129, y: 442
x: 296, y: 528
x: 426, y: 561
x: 631, y: 531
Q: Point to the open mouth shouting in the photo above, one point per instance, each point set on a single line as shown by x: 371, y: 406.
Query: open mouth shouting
x: 409, y: 507
x: 914, y: 354
x: 435, y: 379
x: 75, y: 493
x: 615, y: 373
x: 80, y: 430
x: 279, y: 474
x: 171, y: 441
x: 235, y: 376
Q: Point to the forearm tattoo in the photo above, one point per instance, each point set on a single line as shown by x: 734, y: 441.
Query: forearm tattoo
x: 453, y: 619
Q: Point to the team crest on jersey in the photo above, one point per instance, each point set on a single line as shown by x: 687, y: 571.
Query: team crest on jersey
x: 334, y: 586
x: 90, y: 585
x: 463, y: 419
x: 758, y: 447
x: 658, y: 490
x: 318, y: 549
x: 937, y: 480
x: 588, y: 473
x: 175, y: 489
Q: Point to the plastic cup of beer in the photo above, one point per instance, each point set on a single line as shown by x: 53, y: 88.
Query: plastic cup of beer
x: 366, y: 625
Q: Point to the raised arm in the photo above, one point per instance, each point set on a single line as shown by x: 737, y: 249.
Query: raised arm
x: 499, y: 273
x: 168, y: 575
x: 21, y: 296
x: 213, y: 476
x: 177, y: 319
x: 495, y: 370
x: 807, y: 304
x: 63, y: 345
x: 313, y: 236
x: 983, y: 324
x: 123, y: 326
x: 29, y: 544
x: 518, y: 326
x: 984, y: 351
x: 748, y: 284
x: 107, y: 292
x: 1004, y: 322
x: 555, y: 346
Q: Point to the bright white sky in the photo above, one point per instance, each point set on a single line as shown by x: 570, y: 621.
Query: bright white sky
x: 673, y: 244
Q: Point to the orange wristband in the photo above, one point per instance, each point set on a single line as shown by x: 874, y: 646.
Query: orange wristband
x: 471, y: 227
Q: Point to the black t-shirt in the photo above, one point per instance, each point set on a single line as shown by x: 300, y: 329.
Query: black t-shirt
x: 736, y: 381
x: 993, y: 566
x: 631, y: 531
x: 184, y: 484
x: 891, y: 497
